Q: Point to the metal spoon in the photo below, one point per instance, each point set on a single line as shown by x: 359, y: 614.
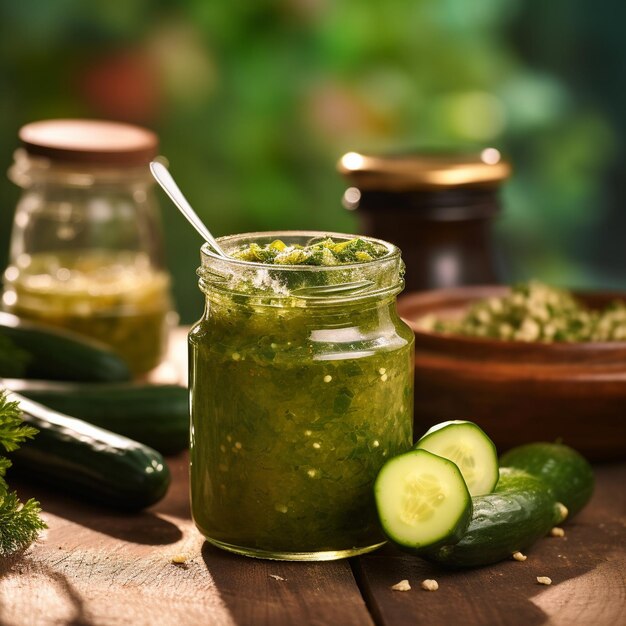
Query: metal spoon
x: 168, y: 184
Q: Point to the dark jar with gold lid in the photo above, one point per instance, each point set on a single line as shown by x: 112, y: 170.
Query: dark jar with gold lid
x: 437, y: 208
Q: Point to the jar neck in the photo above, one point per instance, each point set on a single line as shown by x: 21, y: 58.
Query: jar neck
x: 31, y: 172
x: 435, y: 205
x: 236, y: 304
x: 299, y: 286
x: 232, y: 321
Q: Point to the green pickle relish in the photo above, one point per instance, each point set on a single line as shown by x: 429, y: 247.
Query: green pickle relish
x: 301, y: 387
x: 325, y: 252
x: 118, y: 298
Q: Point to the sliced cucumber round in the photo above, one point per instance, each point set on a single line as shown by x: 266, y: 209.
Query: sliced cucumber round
x: 422, y: 501
x: 465, y: 444
x: 521, y: 510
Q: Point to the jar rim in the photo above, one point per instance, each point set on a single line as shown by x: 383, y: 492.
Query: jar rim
x: 311, y: 283
x: 425, y: 170
x: 89, y: 141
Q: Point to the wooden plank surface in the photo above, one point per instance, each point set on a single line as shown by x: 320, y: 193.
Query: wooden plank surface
x: 587, y: 568
x: 94, y: 566
x: 97, y: 567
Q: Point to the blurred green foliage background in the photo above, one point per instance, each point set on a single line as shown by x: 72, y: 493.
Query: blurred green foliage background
x: 255, y: 101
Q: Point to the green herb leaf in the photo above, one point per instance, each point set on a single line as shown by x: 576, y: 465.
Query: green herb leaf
x: 12, y: 430
x: 19, y: 523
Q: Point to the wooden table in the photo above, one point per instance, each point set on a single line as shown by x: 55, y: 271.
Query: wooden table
x: 95, y: 566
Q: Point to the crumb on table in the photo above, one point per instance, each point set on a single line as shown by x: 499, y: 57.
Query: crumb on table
x: 403, y: 585
x: 179, y: 559
x: 430, y: 585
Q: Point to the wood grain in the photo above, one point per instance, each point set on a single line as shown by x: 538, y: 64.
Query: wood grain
x: 98, y: 567
x: 94, y: 566
x: 587, y: 567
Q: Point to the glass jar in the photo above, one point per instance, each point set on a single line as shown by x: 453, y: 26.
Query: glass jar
x: 439, y: 208
x: 86, y: 250
x: 301, y: 382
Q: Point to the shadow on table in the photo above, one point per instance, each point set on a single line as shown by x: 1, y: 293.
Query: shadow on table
x: 143, y: 527
x: 14, y: 564
x: 267, y: 592
x: 586, y: 568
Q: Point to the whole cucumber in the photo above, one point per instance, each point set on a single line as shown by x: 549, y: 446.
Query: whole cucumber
x: 55, y: 354
x: 566, y: 471
x: 521, y: 510
x: 156, y: 415
x: 88, y: 461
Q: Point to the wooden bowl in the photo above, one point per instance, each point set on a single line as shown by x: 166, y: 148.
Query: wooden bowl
x: 519, y: 392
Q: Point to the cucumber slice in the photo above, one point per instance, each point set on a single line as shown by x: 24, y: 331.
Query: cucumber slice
x: 465, y: 444
x: 422, y: 501
x: 521, y: 510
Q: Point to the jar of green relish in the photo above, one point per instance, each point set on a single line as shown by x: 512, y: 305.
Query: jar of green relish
x: 86, y: 247
x: 301, y: 382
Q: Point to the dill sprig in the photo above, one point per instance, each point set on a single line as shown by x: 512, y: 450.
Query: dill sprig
x: 13, y: 431
x: 20, y: 523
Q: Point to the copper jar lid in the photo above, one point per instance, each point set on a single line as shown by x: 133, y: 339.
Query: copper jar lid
x: 424, y: 171
x: 95, y: 142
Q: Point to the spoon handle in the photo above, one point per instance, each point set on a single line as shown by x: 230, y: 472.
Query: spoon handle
x: 169, y: 186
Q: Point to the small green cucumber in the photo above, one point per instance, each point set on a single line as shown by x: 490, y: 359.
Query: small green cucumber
x: 465, y: 444
x: 156, y: 415
x: 422, y: 501
x: 55, y: 354
x: 521, y: 510
x: 88, y: 461
x: 562, y: 468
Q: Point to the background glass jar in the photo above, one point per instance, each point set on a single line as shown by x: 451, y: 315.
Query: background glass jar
x: 86, y: 249
x: 438, y: 207
x: 301, y: 382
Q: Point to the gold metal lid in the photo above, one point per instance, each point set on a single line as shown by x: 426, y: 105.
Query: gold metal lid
x: 424, y: 171
x: 97, y: 142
